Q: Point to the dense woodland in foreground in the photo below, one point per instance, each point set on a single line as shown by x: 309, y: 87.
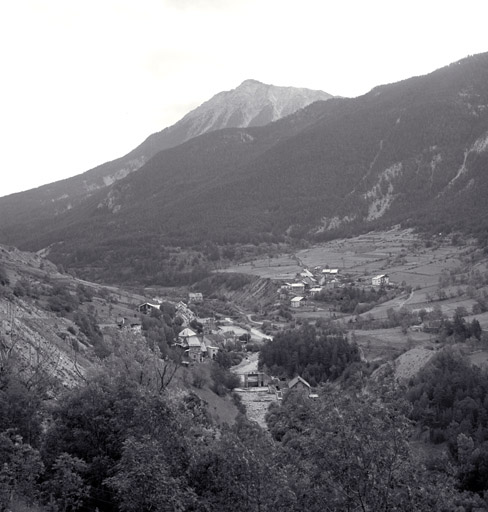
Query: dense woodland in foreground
x: 125, y: 441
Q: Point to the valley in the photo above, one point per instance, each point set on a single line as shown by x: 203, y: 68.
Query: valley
x: 421, y: 265
x: 275, y: 304
x: 59, y: 329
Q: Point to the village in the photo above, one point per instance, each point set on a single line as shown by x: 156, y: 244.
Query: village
x: 201, y: 338
x: 361, y: 285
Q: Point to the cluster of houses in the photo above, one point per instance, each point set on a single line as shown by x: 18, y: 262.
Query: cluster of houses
x: 308, y: 284
x: 195, y: 346
x: 276, y: 386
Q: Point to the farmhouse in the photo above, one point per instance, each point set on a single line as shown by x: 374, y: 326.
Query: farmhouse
x: 296, y: 302
x: 330, y: 271
x: 211, y: 349
x: 185, y: 313
x: 195, y: 297
x: 380, y: 280
x: 147, y: 307
x: 297, y: 287
x: 186, y: 334
x: 315, y: 291
x: 195, y: 346
x: 299, y: 384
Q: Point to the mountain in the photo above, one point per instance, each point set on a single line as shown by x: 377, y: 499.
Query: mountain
x: 413, y: 152
x: 251, y: 104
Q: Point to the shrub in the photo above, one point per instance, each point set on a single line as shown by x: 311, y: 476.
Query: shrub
x: 223, y: 380
x: 199, y: 377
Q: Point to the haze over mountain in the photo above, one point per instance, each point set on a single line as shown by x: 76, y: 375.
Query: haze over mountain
x: 413, y: 152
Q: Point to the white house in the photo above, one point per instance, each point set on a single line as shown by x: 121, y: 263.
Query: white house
x: 380, y: 280
x: 315, y: 291
x: 297, y: 287
x: 330, y: 271
x: 296, y: 302
x: 186, y: 334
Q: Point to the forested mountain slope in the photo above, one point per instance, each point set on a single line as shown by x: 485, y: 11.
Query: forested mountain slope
x: 413, y: 152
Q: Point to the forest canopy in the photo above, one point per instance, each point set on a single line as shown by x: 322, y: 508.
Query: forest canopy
x: 317, y: 356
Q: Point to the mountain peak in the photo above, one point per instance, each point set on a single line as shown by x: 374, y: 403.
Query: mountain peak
x: 252, y: 103
x: 250, y: 81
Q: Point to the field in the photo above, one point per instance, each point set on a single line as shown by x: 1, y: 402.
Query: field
x: 388, y: 343
x: 281, y: 267
x: 407, y: 259
x: 399, y: 253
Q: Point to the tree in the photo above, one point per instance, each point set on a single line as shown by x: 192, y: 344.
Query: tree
x: 143, y: 480
x: 67, y: 487
x: 239, y: 473
x: 20, y: 409
x: 20, y: 468
x: 351, y: 452
x: 91, y: 423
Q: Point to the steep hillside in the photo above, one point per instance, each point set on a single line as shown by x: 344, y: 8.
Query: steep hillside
x: 243, y: 290
x: 51, y: 323
x: 42, y: 344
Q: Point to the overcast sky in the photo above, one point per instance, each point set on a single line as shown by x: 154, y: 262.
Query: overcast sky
x: 84, y: 82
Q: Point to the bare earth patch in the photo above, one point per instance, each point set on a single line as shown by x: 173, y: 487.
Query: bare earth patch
x: 257, y: 401
x: 411, y: 362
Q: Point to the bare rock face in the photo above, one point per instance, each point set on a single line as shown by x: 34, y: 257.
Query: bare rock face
x: 251, y: 104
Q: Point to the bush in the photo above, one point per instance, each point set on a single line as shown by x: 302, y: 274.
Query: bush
x: 199, y: 377
x: 237, y: 399
x: 223, y: 380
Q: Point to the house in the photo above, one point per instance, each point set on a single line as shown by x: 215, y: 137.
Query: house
x: 185, y: 313
x: 194, y: 345
x: 296, y: 302
x: 195, y: 297
x: 147, y: 307
x: 380, y: 280
x: 211, y: 350
x: 306, y: 273
x: 315, y: 291
x: 186, y: 334
x: 299, y: 384
x: 297, y: 287
x: 196, y: 350
x: 330, y: 271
